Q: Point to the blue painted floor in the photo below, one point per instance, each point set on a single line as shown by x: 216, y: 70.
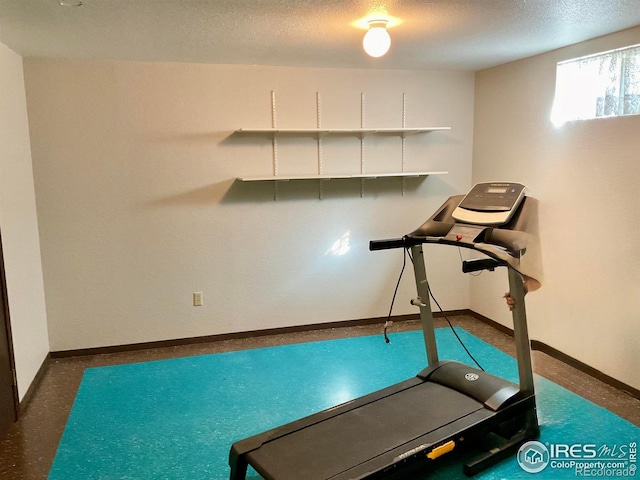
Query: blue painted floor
x: 176, y: 419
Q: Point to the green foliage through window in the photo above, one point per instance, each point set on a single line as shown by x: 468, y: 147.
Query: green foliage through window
x: 602, y: 85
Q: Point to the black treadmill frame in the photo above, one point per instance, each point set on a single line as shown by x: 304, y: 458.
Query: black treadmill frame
x: 508, y: 426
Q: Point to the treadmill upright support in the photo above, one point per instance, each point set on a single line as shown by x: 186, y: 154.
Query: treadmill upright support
x: 426, y: 315
x: 520, y: 333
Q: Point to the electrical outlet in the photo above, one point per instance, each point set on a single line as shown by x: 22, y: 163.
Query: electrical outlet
x: 197, y: 299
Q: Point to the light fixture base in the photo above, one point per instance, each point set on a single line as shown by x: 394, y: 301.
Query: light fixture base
x: 378, y: 23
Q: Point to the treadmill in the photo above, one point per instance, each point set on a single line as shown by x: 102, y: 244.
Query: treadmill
x: 401, y: 429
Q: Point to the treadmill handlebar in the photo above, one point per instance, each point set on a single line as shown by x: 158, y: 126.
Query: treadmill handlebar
x: 391, y: 243
x: 478, y: 264
x: 503, y: 238
x: 515, y: 244
x: 387, y: 244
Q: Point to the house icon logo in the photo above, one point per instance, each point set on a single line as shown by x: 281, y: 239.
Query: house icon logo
x: 533, y: 457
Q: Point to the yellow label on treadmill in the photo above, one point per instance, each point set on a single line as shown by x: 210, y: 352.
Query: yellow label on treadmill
x: 441, y: 450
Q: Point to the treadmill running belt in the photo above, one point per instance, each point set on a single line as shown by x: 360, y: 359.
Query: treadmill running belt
x: 345, y: 441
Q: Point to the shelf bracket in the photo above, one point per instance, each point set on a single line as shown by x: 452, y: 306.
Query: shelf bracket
x: 362, y: 143
x: 319, y: 138
x: 404, y: 136
x: 274, y: 143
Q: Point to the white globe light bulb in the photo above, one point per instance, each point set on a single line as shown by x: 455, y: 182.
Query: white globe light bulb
x: 377, y: 41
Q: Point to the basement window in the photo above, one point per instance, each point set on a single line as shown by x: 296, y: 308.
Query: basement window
x: 602, y: 85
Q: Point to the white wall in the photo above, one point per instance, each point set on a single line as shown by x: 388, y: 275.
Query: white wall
x: 19, y: 227
x: 134, y: 166
x: 586, y: 175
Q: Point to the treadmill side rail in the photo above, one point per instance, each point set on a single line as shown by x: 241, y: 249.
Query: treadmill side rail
x: 529, y: 430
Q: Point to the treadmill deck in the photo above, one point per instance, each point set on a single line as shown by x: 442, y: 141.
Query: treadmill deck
x: 366, y: 438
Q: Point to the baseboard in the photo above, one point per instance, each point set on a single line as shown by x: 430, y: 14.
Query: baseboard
x: 492, y: 323
x: 563, y: 357
x: 535, y: 344
x: 35, y: 384
x: 240, y: 335
x: 583, y: 367
x: 224, y: 336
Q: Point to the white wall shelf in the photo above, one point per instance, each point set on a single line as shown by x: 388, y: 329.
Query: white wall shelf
x: 365, y: 176
x: 320, y: 132
x: 341, y: 131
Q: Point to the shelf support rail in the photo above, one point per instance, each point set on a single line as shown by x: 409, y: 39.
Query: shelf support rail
x: 362, y: 144
x: 404, y: 125
x: 318, y: 119
x: 274, y: 143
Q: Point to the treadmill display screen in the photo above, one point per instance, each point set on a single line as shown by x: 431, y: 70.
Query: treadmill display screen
x: 490, y: 203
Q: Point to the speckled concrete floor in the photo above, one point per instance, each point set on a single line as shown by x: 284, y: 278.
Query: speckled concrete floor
x: 28, y: 448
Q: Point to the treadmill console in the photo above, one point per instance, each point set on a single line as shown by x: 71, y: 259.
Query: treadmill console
x: 490, y: 203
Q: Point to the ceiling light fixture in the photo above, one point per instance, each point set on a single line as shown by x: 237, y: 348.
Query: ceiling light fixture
x: 71, y: 3
x: 377, y: 41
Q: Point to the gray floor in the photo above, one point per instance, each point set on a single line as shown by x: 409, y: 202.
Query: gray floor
x: 28, y: 449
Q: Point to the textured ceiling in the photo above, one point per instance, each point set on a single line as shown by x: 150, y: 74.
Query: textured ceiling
x: 426, y: 34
